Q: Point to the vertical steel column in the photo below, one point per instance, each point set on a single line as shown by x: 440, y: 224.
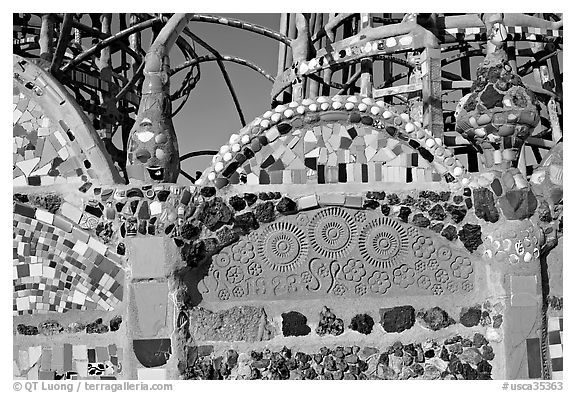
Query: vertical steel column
x: 366, y: 80
x: 314, y: 86
x: 432, y: 92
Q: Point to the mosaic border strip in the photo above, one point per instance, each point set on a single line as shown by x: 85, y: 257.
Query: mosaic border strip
x: 266, y: 129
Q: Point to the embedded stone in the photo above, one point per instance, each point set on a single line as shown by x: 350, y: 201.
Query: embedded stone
x: 96, y: 327
x: 449, y: 232
x: 491, y: 97
x: 484, y: 205
x: 438, y: 227
x: 246, y: 222
x: 239, y: 323
x: 404, y: 213
x: 286, y: 206
x: 385, y: 209
x: 214, y: 213
x: 397, y: 319
x: 457, y: 212
x: 362, y: 323
x: 471, y: 236
x: 193, y: 253
x: 371, y: 204
x: 264, y: 212
x: 49, y: 328
x: 435, y: 318
x: 378, y: 195
x: 471, y: 355
x: 518, y: 204
x: 420, y: 220
x: 227, y: 236
x: 479, y: 340
x: 237, y: 202
x: 437, y: 213
x: 497, y: 321
x: 27, y: 330
x: 496, y: 187
x: 470, y: 316
x: 329, y: 324
x: 294, y: 324
x: 207, y: 192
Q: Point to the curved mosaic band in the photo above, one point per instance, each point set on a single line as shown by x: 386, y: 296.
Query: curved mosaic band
x: 266, y: 129
x: 57, y: 104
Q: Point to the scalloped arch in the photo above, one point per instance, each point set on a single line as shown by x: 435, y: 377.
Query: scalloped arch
x: 367, y: 112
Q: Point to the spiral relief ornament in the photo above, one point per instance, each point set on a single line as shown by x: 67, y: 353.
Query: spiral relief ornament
x: 283, y: 246
x: 383, y: 243
x: 334, y: 233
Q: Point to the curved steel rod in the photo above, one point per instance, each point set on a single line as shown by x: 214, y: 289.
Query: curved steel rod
x: 350, y: 82
x: 198, y: 153
x: 525, y: 68
x: 222, y: 69
x: 470, y: 53
x: 63, y: 39
x: 187, y: 176
x: 108, y: 41
x: 240, y: 24
x: 331, y: 25
x: 92, y: 32
x: 137, y: 75
x: 233, y: 59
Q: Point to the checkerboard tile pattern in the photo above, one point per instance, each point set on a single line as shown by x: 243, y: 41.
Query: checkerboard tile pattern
x: 555, y: 346
x: 54, y: 270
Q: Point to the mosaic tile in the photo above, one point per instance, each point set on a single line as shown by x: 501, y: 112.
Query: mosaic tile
x: 54, y: 270
x: 68, y: 361
x: 42, y: 148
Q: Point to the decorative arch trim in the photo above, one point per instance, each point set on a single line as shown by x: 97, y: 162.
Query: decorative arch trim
x: 354, y: 109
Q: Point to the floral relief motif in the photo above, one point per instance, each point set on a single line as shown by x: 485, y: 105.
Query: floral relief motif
x: 437, y: 289
x: 238, y: 291
x: 243, y: 251
x: 441, y: 276
x: 379, y: 282
x: 424, y: 282
x: 354, y: 270
x: 234, y: 275
x: 433, y: 264
x: 339, y: 289
x: 452, y: 286
x: 467, y: 286
x: 461, y: 267
x: 254, y: 269
x: 292, y: 283
x: 302, y: 219
x: 223, y: 294
x: 423, y: 247
x: 324, y: 271
x: 404, y: 276
x: 360, y: 216
x: 420, y: 266
x: 360, y: 289
x: 306, y: 277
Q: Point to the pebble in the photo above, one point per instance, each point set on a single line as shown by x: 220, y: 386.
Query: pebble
x: 493, y: 335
